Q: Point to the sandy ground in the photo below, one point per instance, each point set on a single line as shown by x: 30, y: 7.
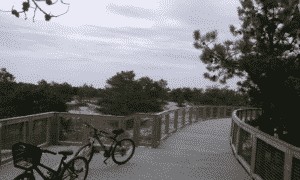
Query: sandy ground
x: 89, y: 110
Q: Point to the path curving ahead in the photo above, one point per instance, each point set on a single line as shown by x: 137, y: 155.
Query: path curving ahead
x: 198, y: 151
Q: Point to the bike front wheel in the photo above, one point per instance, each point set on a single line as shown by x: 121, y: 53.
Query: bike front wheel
x: 86, y: 151
x: 123, y: 151
x: 77, y: 169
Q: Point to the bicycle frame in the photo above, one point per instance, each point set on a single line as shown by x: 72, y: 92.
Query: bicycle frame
x: 55, y: 173
x: 96, y: 136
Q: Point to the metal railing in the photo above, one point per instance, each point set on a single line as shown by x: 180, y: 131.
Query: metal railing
x: 263, y: 156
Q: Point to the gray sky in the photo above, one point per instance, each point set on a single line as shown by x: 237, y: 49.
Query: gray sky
x: 97, y: 39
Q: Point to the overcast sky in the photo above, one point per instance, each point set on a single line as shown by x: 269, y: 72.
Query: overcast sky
x: 96, y: 39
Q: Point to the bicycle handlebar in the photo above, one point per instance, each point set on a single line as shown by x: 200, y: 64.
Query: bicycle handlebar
x: 47, y: 151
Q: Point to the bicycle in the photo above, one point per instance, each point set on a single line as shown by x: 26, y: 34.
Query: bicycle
x: 27, y: 156
x: 117, y: 148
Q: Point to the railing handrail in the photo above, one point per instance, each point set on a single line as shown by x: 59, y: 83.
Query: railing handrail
x: 51, y: 117
x: 238, y: 141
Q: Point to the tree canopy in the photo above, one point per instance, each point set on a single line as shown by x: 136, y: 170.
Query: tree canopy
x: 27, y: 4
x: 265, y: 54
x: 124, y: 95
x: 21, y: 99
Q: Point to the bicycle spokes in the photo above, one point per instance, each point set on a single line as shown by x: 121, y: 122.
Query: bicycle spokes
x: 86, y: 152
x: 123, y: 151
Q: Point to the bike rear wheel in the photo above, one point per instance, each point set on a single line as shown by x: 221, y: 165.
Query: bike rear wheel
x: 76, y: 169
x: 124, y: 148
x: 86, y: 151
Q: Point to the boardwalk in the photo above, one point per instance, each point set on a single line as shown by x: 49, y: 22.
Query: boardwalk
x: 198, y: 151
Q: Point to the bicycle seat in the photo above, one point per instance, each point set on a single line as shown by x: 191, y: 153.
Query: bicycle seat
x: 66, y: 152
x: 118, y: 131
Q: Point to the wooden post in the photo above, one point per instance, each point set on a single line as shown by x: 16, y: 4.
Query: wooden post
x: 288, y: 165
x: 251, y: 114
x: 255, y: 113
x: 227, y: 110
x: 30, y: 133
x: 1, y: 127
x: 176, y: 120
x: 219, y: 112
x: 86, y: 131
x: 197, y: 113
x: 122, y: 124
x: 55, y: 128
x: 24, y: 131
x: 190, y: 114
x: 193, y: 114
x: 136, y: 130
x: 241, y: 114
x: 237, y: 140
x: 167, y: 116
x: 48, y: 134
x: 183, y: 117
x: 156, y: 131
x: 253, y: 155
x: 204, y: 113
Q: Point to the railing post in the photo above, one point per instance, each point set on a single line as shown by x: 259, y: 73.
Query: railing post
x: 255, y: 113
x: 197, y: 113
x: 167, y: 117
x: 288, y: 165
x: 207, y: 115
x: 191, y: 111
x: 204, y: 113
x: 48, y: 133
x: 241, y: 114
x: 136, y: 130
x: 246, y: 116
x: 1, y: 126
x: 230, y: 112
x: 253, y: 154
x: 24, y: 131
x: 219, y: 112
x: 183, y: 117
x: 176, y: 120
x: 237, y: 140
x: 156, y: 131
x: 30, y: 133
x: 86, y: 131
x: 55, y: 128
x: 122, y: 124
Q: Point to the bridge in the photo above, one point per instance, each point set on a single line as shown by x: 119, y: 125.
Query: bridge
x: 200, y: 142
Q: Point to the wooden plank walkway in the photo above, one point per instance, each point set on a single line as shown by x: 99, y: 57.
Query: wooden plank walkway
x: 198, y: 151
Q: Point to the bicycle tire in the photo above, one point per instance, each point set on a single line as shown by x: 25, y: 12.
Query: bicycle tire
x: 25, y: 177
x: 70, y: 167
x: 90, y: 155
x: 118, y: 144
